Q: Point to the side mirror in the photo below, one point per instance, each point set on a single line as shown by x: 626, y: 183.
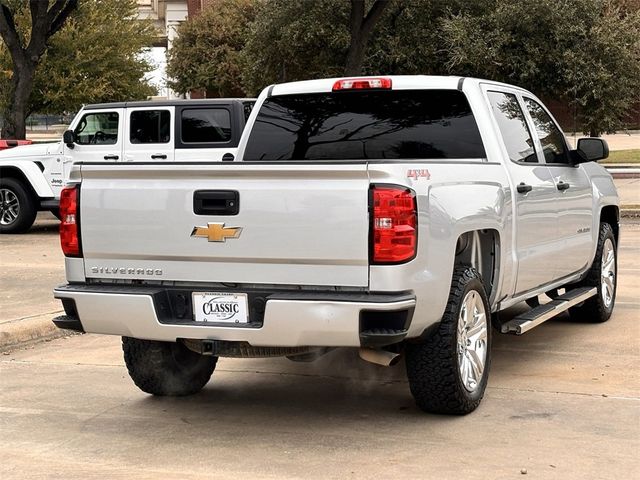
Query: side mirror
x: 592, y: 149
x: 69, y: 137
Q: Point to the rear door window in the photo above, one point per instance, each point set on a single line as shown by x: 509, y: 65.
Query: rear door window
x: 390, y: 124
x: 513, y: 127
x: 205, y: 125
x: 550, y: 136
x: 150, y: 126
x: 100, y: 128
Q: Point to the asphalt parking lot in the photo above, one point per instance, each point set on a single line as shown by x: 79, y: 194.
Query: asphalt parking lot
x: 563, y: 401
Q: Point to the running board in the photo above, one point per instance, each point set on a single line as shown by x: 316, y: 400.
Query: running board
x: 534, y: 317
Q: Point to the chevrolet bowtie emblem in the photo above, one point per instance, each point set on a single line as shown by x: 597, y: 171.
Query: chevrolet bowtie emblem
x: 216, y: 232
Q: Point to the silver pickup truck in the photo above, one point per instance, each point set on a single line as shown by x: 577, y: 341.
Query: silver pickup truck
x: 397, y: 215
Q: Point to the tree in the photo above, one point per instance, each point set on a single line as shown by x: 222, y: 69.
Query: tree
x: 45, y: 22
x: 296, y: 40
x: 586, y: 52
x: 95, y: 57
x: 361, y: 27
x: 206, y: 54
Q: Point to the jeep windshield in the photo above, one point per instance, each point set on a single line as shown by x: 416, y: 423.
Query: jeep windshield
x: 389, y: 124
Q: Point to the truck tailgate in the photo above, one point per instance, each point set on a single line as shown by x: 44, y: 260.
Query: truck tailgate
x: 300, y: 224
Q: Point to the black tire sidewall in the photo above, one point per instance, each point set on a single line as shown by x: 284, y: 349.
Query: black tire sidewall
x: 432, y: 363
x: 603, y: 237
x: 28, y: 210
x: 474, y: 284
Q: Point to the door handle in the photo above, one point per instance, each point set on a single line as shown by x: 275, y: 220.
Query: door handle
x: 524, y: 188
x: 562, y: 185
x: 111, y: 157
x: 157, y: 156
x: 216, y: 202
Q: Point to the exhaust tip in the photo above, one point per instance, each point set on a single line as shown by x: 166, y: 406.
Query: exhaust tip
x: 379, y: 357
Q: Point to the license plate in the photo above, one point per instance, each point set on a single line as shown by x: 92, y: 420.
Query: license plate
x: 216, y: 307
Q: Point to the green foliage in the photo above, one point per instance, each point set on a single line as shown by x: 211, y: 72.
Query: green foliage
x: 583, y: 52
x: 96, y: 57
x: 586, y: 52
x: 623, y: 156
x: 296, y: 40
x: 206, y: 54
x: 301, y: 39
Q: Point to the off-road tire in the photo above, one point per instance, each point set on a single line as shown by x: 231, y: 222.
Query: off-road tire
x: 594, y: 310
x: 27, y: 206
x: 432, y: 365
x: 166, y: 368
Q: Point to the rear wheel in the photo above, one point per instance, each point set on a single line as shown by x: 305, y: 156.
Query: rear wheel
x: 166, y: 368
x: 603, y: 276
x: 448, y: 372
x: 17, y: 207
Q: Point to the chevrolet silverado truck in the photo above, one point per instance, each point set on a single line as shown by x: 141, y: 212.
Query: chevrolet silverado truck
x: 395, y: 215
x: 32, y: 176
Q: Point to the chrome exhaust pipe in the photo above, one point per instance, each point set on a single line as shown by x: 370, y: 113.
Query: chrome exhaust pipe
x: 379, y: 357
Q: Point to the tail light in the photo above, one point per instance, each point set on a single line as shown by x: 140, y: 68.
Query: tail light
x: 378, y: 83
x: 69, y: 222
x: 394, y: 225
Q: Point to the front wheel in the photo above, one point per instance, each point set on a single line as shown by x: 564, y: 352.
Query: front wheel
x: 603, y: 276
x: 448, y: 372
x: 166, y: 368
x: 17, y: 207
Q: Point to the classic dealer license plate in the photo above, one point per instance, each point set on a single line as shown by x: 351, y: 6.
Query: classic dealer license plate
x: 215, y: 307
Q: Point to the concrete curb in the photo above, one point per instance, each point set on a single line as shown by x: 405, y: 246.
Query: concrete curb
x: 26, y: 331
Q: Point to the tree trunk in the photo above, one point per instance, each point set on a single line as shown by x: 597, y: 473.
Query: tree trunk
x: 16, y: 112
x: 47, y: 18
x: 361, y: 28
x: 355, y: 57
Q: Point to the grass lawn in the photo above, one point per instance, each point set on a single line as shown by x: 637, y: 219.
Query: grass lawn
x: 623, y: 156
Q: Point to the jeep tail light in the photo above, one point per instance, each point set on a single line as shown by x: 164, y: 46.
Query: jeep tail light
x: 69, y: 222
x: 378, y: 83
x: 394, y: 226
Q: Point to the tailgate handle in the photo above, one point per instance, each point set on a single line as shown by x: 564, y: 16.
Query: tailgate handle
x: 216, y: 202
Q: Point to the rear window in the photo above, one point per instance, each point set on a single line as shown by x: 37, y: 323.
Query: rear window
x: 204, y: 125
x: 391, y: 124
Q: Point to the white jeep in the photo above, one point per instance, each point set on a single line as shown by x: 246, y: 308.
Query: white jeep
x: 32, y: 176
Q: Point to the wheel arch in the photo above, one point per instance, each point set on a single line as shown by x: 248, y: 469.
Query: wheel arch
x: 30, y: 174
x: 611, y: 214
x: 481, y: 249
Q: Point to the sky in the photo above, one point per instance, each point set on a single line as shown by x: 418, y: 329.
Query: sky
x: 157, y: 77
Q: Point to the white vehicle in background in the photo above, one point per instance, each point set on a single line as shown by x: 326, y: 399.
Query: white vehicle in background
x: 32, y: 176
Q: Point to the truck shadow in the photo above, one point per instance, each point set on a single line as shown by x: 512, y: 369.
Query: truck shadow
x: 338, y: 387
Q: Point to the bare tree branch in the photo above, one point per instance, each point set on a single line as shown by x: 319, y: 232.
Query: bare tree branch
x: 373, y: 16
x: 57, y: 20
x: 9, y: 33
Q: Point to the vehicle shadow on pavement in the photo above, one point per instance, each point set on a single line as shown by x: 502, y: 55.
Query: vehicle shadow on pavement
x: 325, y: 394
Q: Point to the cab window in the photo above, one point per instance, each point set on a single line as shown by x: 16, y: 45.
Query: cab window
x: 551, y: 138
x: 100, y: 128
x: 205, y: 125
x: 513, y: 127
x: 150, y: 126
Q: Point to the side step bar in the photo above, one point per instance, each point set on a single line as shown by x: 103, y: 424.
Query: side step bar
x: 534, y: 317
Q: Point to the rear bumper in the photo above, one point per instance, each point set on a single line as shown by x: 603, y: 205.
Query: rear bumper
x: 277, y: 318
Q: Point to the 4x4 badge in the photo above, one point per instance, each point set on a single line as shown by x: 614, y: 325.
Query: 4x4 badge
x: 216, y: 232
